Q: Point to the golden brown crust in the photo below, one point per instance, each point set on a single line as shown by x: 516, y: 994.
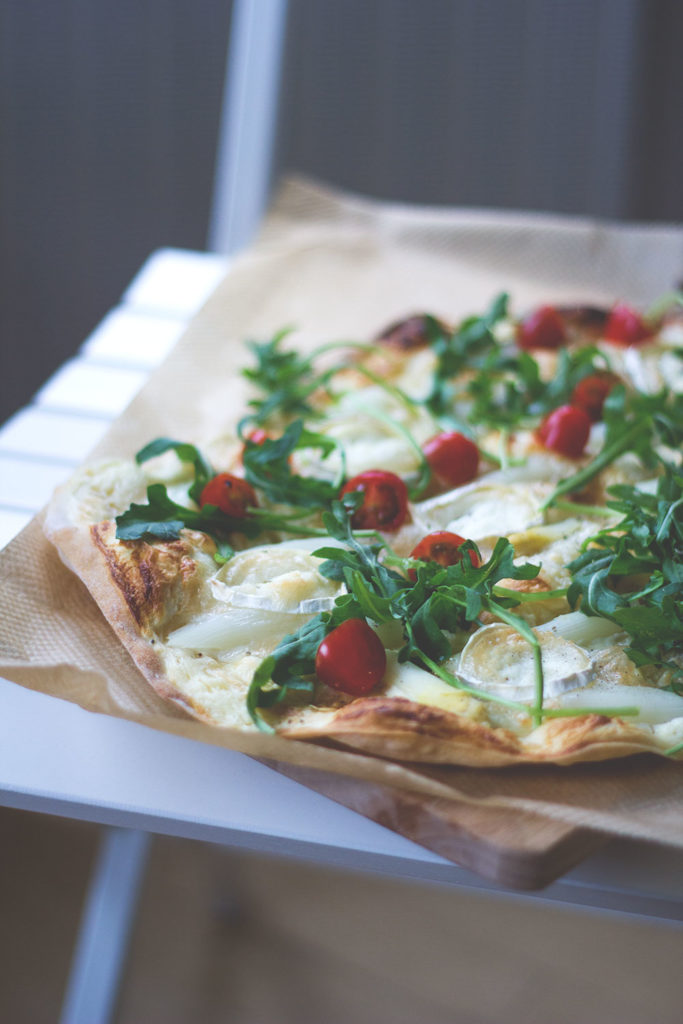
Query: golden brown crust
x: 145, y: 573
x: 110, y: 570
x: 407, y: 731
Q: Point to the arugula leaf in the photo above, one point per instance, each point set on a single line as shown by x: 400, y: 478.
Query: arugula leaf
x: 290, y: 669
x: 267, y: 467
x: 445, y: 599
x: 203, y: 471
x: 160, y: 518
x: 287, y: 380
x: 507, y: 388
x: 359, y: 558
x: 632, y: 572
x: 163, y: 519
x: 454, y: 353
x: 573, y: 365
x: 636, y: 422
x: 440, y: 602
x: 504, y: 388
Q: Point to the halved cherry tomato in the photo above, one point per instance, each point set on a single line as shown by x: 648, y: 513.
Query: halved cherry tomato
x: 231, y: 494
x: 385, y: 500
x: 351, y: 658
x: 591, y: 392
x: 453, y: 459
x: 565, y: 431
x: 625, y: 326
x: 542, y: 328
x: 442, y: 547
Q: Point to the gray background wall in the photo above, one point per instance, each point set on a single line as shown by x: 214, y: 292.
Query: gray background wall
x: 109, y: 116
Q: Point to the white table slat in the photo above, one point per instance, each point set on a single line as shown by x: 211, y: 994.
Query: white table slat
x: 51, y: 435
x: 176, y: 282
x: 127, y: 337
x: 27, y: 485
x: 11, y: 523
x: 93, y: 759
x: 97, y: 390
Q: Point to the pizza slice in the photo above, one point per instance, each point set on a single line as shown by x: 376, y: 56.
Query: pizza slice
x: 454, y: 545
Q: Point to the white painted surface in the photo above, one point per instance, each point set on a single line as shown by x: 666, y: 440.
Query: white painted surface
x: 130, y: 338
x: 175, y: 282
x: 28, y: 485
x: 50, y: 434
x: 83, y: 387
x: 11, y: 523
x: 92, y: 759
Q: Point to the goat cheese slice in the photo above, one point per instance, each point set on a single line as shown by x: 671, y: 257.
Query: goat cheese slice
x: 498, y: 660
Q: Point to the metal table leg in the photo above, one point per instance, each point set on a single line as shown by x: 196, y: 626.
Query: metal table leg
x: 108, y: 914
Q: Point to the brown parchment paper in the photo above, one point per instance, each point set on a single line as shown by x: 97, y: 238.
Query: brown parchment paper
x: 340, y: 267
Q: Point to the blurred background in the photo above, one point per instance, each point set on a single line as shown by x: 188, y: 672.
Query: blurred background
x: 110, y: 114
x: 225, y: 936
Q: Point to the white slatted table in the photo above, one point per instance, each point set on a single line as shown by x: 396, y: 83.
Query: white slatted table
x: 101, y: 769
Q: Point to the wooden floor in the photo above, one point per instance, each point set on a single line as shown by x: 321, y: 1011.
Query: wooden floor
x: 224, y: 937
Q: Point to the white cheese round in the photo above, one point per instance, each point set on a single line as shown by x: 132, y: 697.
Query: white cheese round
x: 498, y: 660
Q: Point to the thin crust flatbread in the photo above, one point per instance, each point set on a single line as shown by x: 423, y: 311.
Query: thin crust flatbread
x: 148, y: 590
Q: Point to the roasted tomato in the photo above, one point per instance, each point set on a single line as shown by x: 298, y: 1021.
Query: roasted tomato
x: 412, y: 333
x: 385, y: 500
x: 453, y: 459
x: 625, y: 326
x: 351, y: 658
x: 542, y: 328
x: 442, y: 547
x: 591, y: 392
x: 231, y: 494
x: 587, y: 322
x: 565, y: 431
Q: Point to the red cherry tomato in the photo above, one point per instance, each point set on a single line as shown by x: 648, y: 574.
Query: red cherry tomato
x: 542, y: 328
x: 385, y: 500
x: 258, y: 435
x: 453, y: 459
x: 442, y: 547
x: 231, y: 494
x: 351, y: 658
x: 565, y: 431
x: 591, y: 392
x: 625, y: 326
